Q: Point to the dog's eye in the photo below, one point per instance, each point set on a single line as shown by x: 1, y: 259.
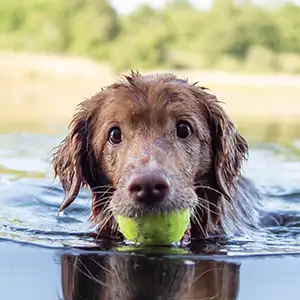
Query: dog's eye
x: 115, y: 135
x: 184, y: 129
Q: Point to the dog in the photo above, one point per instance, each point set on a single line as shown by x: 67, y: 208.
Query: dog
x: 154, y: 143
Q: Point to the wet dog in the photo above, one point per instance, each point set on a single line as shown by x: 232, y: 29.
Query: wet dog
x: 154, y: 143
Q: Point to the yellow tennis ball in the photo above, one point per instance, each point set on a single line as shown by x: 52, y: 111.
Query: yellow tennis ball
x: 155, y: 229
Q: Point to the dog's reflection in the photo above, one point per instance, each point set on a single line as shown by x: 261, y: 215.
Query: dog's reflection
x: 138, y: 277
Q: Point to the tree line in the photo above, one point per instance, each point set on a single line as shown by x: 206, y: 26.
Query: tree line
x: 228, y: 36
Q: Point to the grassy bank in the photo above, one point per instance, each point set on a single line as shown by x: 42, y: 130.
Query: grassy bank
x: 43, y: 89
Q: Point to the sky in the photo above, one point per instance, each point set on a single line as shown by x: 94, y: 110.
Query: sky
x: 126, y: 6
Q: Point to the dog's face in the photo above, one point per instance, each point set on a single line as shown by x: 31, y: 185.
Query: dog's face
x: 151, y: 144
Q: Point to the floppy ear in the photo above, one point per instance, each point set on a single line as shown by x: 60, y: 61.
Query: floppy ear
x: 76, y: 164
x: 68, y: 158
x: 74, y: 160
x: 229, y: 147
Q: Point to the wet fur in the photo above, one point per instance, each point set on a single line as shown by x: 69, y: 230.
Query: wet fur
x: 205, y: 170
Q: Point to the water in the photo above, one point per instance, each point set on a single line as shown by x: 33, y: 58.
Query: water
x: 34, y: 241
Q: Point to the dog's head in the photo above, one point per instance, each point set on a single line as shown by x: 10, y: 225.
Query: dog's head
x: 150, y: 144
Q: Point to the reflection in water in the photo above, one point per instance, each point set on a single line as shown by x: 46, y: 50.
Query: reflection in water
x: 139, y: 277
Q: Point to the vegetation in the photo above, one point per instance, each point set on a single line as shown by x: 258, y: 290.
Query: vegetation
x: 233, y: 37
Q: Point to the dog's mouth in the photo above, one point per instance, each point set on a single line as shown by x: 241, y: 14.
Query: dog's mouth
x: 186, y: 238
x: 124, y: 208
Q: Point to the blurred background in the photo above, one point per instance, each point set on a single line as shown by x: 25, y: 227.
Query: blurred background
x: 55, y: 53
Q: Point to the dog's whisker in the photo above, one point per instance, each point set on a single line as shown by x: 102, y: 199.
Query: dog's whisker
x: 103, y: 205
x: 104, y: 201
x: 206, y: 208
x: 102, y: 186
x: 103, y: 193
x: 198, y: 222
x: 102, y: 219
x: 196, y: 185
x: 103, y: 224
x: 208, y: 203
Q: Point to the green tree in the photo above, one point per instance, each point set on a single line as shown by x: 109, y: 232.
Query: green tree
x: 93, y: 25
x: 231, y: 35
x: 143, y: 42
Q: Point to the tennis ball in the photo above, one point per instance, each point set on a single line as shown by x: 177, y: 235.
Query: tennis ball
x: 155, y: 229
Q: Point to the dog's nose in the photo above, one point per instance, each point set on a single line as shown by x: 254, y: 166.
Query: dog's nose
x: 149, y: 188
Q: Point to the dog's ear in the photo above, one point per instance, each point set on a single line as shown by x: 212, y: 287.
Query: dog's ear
x: 77, y: 163
x: 68, y: 158
x: 74, y: 160
x: 229, y: 147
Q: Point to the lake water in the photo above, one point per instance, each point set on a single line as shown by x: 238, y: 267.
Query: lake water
x: 43, y: 256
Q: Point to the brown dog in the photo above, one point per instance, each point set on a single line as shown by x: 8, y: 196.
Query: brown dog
x: 155, y: 143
